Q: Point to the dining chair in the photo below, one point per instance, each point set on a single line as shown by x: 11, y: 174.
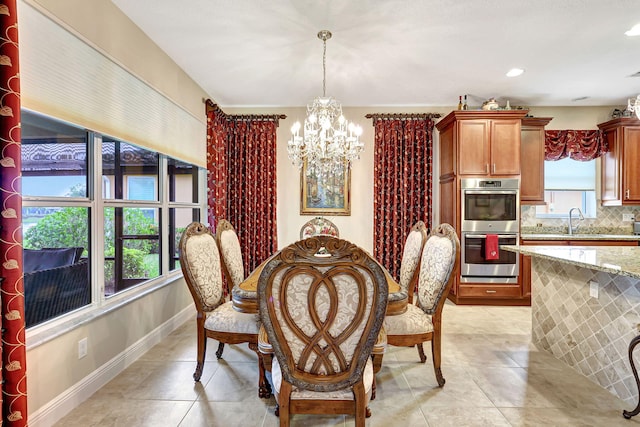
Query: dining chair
x: 423, y: 320
x: 216, y: 318
x: 322, y: 302
x: 410, y: 262
x: 231, y: 253
x: 319, y: 226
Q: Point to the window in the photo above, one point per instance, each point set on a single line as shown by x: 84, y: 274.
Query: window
x: 568, y: 183
x: 132, y: 212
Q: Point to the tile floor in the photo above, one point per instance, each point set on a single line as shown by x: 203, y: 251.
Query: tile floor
x: 495, y: 377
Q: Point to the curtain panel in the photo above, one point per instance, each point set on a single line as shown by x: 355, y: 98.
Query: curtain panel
x: 216, y: 165
x: 251, y: 186
x: 14, y: 377
x: 241, y: 179
x: 403, y: 168
x: 580, y: 145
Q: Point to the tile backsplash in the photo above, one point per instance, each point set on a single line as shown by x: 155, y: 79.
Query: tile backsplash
x: 608, y: 220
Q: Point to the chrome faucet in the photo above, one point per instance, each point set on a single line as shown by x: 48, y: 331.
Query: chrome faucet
x: 572, y: 229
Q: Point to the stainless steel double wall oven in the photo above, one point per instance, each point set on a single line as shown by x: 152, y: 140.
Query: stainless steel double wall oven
x: 489, y: 207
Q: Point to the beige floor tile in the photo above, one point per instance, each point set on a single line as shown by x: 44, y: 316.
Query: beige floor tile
x: 494, y: 377
x: 110, y: 412
x: 224, y: 414
x: 465, y: 417
x: 566, y: 417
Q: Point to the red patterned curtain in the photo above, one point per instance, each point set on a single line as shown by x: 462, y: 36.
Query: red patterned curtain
x: 241, y: 181
x: 581, y: 145
x: 403, y: 168
x: 14, y: 378
x: 251, y: 201
x: 216, y: 164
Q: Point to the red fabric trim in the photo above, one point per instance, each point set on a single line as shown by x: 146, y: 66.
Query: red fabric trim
x: 580, y: 145
x: 403, y: 169
x: 14, y: 388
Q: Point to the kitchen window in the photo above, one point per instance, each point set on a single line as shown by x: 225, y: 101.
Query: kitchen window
x: 568, y: 183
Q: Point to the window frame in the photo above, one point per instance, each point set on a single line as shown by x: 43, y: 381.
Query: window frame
x: 96, y: 204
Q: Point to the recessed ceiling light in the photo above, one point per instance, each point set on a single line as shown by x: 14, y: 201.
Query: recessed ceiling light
x: 515, y: 72
x: 635, y: 31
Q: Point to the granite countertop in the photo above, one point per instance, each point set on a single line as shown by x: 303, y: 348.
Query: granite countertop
x: 560, y: 236
x: 622, y: 260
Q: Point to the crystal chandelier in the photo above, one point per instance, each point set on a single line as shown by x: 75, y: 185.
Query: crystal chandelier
x: 635, y: 107
x: 329, y: 143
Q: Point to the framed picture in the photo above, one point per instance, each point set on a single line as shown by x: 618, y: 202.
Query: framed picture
x: 329, y: 196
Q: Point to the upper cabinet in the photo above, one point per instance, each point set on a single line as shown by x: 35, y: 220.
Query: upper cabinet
x: 481, y: 143
x: 620, y: 172
x: 532, y: 160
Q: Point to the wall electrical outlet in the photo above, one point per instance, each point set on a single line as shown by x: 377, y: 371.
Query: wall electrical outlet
x: 627, y: 217
x: 593, y: 289
x: 82, y: 348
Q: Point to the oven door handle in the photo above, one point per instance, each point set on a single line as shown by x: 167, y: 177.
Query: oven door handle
x: 485, y: 192
x: 484, y: 236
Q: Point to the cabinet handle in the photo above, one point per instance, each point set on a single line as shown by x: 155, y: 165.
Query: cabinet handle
x: 626, y: 194
x: 486, y: 167
x: 490, y: 291
x: 494, y: 168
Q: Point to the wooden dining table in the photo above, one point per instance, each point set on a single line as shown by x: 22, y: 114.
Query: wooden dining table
x: 245, y: 296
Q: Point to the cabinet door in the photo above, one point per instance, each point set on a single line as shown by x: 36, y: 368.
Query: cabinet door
x: 532, y: 166
x: 473, y: 147
x: 610, y: 170
x: 630, y: 169
x: 505, y: 147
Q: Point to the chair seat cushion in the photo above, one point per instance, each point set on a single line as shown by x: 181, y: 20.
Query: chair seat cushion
x: 346, y: 394
x: 411, y: 322
x: 225, y: 319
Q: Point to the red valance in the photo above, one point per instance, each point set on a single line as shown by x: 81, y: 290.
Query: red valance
x: 581, y: 145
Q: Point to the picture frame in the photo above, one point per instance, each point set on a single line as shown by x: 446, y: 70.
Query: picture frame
x: 331, y: 196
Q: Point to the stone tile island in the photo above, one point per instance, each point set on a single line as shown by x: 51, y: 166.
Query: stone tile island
x: 586, y: 309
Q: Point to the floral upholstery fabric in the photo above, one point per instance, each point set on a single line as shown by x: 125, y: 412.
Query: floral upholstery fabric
x: 204, y: 264
x: 232, y: 254
x: 319, y: 227
x: 346, y: 394
x: 412, y: 322
x: 410, y: 259
x: 296, y: 300
x: 435, y: 268
x: 226, y: 319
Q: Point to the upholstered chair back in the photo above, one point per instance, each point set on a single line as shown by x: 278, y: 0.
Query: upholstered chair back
x: 322, y: 303
x: 231, y: 252
x: 411, y: 256
x: 200, y: 263
x: 439, y: 257
x: 319, y: 227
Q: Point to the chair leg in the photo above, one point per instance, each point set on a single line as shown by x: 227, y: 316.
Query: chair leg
x: 220, y: 350
x: 284, y: 400
x: 202, y: 350
x: 264, y: 388
x: 377, y: 362
x: 421, y: 354
x: 435, y: 353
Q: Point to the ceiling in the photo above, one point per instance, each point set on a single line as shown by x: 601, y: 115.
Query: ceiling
x: 259, y: 53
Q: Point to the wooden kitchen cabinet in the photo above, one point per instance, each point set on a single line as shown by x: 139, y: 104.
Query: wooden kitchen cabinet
x: 479, y: 144
x: 484, y: 143
x: 532, y: 160
x: 620, y: 173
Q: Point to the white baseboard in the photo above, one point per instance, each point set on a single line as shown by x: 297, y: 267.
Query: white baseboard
x: 65, y: 402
